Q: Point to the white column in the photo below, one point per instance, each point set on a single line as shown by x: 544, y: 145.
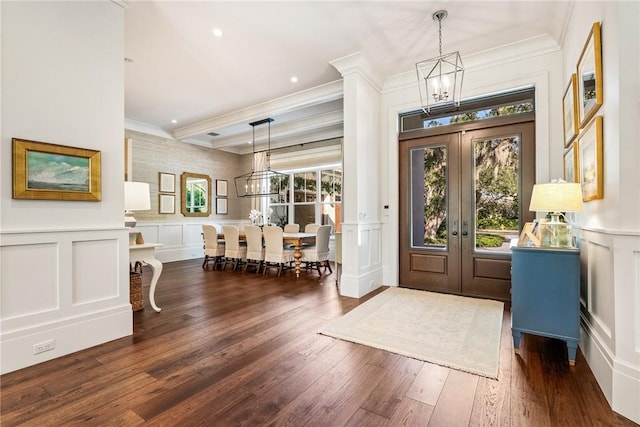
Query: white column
x: 361, y: 228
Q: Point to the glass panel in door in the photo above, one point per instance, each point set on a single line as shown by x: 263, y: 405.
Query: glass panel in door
x: 429, y: 197
x: 496, y: 184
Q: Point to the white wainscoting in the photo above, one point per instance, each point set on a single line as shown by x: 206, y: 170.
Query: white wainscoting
x: 610, y: 311
x: 180, y: 240
x: 70, y: 286
x: 361, y: 259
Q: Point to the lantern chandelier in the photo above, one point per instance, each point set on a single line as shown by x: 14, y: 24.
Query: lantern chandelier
x: 264, y: 182
x: 440, y: 79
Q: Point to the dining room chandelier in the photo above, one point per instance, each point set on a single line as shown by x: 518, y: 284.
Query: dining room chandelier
x: 440, y: 78
x: 262, y: 181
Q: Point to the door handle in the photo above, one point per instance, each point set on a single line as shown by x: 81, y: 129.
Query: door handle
x: 464, y: 228
x: 455, y: 228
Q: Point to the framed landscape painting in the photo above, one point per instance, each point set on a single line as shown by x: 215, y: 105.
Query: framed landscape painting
x: 570, y: 112
x: 571, y: 163
x: 591, y: 161
x: 44, y: 171
x: 589, y: 75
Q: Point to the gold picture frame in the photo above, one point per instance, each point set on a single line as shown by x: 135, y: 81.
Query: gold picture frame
x: 589, y: 76
x: 571, y: 163
x: 591, y: 161
x: 569, y: 111
x: 45, y: 171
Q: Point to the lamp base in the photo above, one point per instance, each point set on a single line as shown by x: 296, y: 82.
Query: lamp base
x: 129, y: 220
x: 556, y: 233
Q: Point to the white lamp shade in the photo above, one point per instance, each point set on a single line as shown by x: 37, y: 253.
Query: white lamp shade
x: 136, y: 196
x: 556, y: 197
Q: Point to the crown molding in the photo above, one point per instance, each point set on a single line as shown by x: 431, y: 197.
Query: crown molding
x: 293, y: 102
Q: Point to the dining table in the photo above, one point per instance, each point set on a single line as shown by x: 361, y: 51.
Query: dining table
x: 294, y: 239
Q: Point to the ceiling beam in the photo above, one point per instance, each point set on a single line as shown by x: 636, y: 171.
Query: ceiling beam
x: 296, y: 101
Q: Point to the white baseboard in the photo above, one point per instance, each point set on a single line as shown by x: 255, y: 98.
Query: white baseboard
x: 622, y: 390
x: 69, y: 335
x: 359, y: 286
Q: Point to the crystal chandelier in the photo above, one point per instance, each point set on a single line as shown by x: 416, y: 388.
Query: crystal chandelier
x: 264, y: 182
x: 440, y: 79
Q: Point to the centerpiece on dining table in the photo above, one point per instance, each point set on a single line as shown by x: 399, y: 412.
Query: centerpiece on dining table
x: 260, y: 218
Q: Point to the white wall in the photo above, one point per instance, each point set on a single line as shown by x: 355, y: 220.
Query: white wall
x: 610, y: 228
x: 64, y: 263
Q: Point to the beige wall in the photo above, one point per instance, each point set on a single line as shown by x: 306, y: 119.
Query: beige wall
x: 154, y: 154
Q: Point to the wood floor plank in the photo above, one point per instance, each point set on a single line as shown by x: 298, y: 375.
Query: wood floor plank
x: 411, y: 413
x: 236, y: 349
x: 428, y: 384
x: 366, y: 418
x: 492, y: 402
x: 456, y: 400
x: 528, y: 397
x: 393, y: 387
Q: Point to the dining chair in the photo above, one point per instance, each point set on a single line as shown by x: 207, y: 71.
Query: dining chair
x: 311, y: 228
x: 275, y: 254
x: 234, y: 251
x: 255, y: 249
x: 213, y: 248
x: 319, y: 253
x: 291, y: 228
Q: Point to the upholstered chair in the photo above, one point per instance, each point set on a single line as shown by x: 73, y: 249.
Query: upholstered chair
x: 319, y: 253
x: 255, y: 249
x: 213, y: 248
x: 311, y: 228
x: 234, y: 251
x: 275, y: 254
x: 292, y: 228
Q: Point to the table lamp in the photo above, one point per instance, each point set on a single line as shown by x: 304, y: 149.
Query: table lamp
x: 136, y: 198
x: 556, y: 198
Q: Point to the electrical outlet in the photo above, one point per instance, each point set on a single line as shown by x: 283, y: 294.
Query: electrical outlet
x: 44, y: 346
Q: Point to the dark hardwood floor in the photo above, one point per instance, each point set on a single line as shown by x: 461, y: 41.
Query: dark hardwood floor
x: 236, y: 349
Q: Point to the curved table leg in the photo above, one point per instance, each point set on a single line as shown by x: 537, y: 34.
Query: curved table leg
x: 296, y: 256
x: 156, y: 266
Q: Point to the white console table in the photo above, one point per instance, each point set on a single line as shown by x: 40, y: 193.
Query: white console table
x: 145, y: 253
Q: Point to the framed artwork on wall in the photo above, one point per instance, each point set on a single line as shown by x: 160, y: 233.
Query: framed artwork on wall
x: 167, y: 203
x: 589, y: 76
x: 571, y: 163
x: 44, y: 171
x: 167, y: 182
x: 221, y: 188
x: 591, y: 161
x: 569, y: 111
x: 221, y: 206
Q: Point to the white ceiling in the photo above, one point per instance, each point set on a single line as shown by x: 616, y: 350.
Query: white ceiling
x: 176, y: 69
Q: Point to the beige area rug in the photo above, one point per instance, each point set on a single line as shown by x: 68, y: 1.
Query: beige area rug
x: 457, y: 332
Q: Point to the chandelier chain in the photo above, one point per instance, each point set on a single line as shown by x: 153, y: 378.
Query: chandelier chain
x: 440, y: 35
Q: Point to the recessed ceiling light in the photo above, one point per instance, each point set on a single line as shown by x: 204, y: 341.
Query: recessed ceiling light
x: 217, y: 32
x: 174, y: 121
x: 294, y: 79
x: 249, y: 142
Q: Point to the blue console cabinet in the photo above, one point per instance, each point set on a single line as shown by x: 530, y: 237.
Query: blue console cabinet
x: 545, y: 295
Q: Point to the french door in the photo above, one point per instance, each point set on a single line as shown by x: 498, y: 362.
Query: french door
x: 464, y: 193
